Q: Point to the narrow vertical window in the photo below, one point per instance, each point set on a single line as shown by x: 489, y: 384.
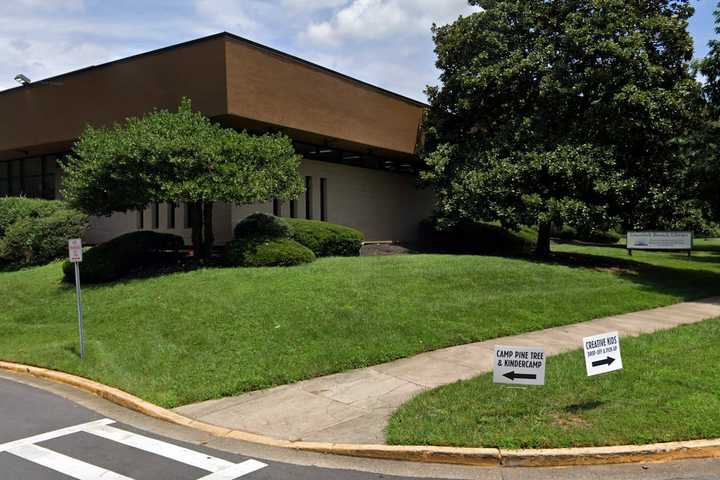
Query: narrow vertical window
x: 141, y: 219
x: 277, y: 207
x: 308, y: 198
x: 293, y: 208
x: 323, y: 200
x: 155, y: 215
x: 171, y: 207
x: 188, y: 215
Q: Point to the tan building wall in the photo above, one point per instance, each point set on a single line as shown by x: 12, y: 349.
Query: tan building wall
x: 382, y: 205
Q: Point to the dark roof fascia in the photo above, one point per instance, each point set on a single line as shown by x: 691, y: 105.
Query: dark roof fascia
x: 211, y: 37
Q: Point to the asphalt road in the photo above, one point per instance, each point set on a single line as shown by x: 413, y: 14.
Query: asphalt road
x: 44, y: 436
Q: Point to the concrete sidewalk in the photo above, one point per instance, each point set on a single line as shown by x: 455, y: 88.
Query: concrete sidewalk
x: 354, y: 406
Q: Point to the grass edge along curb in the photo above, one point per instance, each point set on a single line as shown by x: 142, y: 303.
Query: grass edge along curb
x: 486, y: 457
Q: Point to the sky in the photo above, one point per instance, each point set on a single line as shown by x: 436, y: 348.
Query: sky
x: 384, y: 42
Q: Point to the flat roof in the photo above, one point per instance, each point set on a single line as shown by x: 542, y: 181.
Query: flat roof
x: 232, y: 37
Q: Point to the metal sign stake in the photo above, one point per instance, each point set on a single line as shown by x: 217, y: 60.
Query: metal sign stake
x: 78, y: 297
x: 75, y: 255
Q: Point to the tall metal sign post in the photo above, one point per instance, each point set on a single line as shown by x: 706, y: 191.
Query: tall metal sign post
x: 75, y: 254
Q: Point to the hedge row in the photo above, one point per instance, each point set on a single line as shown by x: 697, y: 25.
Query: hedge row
x: 265, y: 240
x: 112, y: 260
x: 35, y: 231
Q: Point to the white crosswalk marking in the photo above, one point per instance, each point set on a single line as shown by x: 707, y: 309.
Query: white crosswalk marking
x: 164, y: 449
x: 239, y: 470
x: 43, y: 437
x: 61, y: 463
x: 27, y: 449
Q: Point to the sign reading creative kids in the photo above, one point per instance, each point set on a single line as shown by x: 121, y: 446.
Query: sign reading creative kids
x: 602, y: 353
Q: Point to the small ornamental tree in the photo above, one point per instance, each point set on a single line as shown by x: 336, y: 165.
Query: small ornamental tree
x: 567, y: 112
x: 178, y: 157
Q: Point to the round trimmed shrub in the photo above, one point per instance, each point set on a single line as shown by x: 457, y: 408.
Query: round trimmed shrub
x: 327, y: 239
x: 277, y: 252
x: 261, y: 225
x: 116, y: 258
x: 35, y: 232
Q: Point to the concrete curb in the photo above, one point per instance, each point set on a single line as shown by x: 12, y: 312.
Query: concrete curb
x: 485, y: 457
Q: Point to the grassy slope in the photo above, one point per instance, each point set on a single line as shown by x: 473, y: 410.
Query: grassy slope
x: 667, y: 391
x: 211, y: 333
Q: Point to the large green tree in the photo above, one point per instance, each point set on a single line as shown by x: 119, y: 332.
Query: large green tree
x: 178, y: 157
x: 706, y: 141
x: 563, y: 111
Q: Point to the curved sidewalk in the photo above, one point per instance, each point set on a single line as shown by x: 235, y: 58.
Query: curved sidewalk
x: 354, y: 406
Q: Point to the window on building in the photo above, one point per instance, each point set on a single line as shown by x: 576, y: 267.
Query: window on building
x: 308, y: 198
x: 156, y: 215
x: 171, y: 207
x: 4, y: 179
x: 141, y: 219
x: 323, y: 199
x: 188, y: 215
x: 277, y: 207
x: 31, y: 177
x: 293, y: 208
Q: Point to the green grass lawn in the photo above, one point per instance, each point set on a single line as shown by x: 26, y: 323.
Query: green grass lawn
x: 210, y: 333
x: 668, y: 390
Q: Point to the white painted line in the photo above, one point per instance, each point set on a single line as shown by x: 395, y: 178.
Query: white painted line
x: 163, y: 449
x: 54, y: 434
x: 236, y: 471
x: 63, y: 464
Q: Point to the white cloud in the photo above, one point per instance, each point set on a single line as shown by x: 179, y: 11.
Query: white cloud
x: 373, y: 20
x: 231, y: 15
x: 314, y: 5
x: 44, y: 5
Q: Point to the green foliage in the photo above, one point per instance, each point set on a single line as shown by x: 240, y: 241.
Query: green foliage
x: 709, y: 67
x: 116, y: 258
x: 566, y: 112
x: 327, y: 239
x: 259, y: 252
x: 705, y: 143
x: 178, y: 157
x: 35, y: 232
x: 262, y: 225
x: 477, y: 238
x: 593, y: 236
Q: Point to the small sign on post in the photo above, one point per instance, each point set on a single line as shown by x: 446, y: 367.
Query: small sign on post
x: 519, y: 365
x: 76, y: 255
x: 602, y: 353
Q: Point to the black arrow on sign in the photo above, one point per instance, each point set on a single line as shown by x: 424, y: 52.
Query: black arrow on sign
x: 607, y: 361
x: 524, y: 376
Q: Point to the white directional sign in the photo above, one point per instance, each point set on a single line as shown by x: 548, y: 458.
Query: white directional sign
x: 519, y: 365
x: 75, y: 250
x: 602, y: 353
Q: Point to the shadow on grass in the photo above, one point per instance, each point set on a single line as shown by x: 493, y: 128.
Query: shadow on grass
x: 684, y: 283
x: 583, y: 407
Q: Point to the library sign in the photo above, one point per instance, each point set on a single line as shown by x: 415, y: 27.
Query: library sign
x: 660, y: 241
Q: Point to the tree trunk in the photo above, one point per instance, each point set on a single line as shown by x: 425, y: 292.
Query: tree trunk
x: 542, y: 249
x: 196, y: 223
x: 209, y: 238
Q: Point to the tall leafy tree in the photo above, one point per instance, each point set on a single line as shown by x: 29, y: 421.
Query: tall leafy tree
x: 178, y: 157
x: 707, y: 140
x: 563, y: 111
